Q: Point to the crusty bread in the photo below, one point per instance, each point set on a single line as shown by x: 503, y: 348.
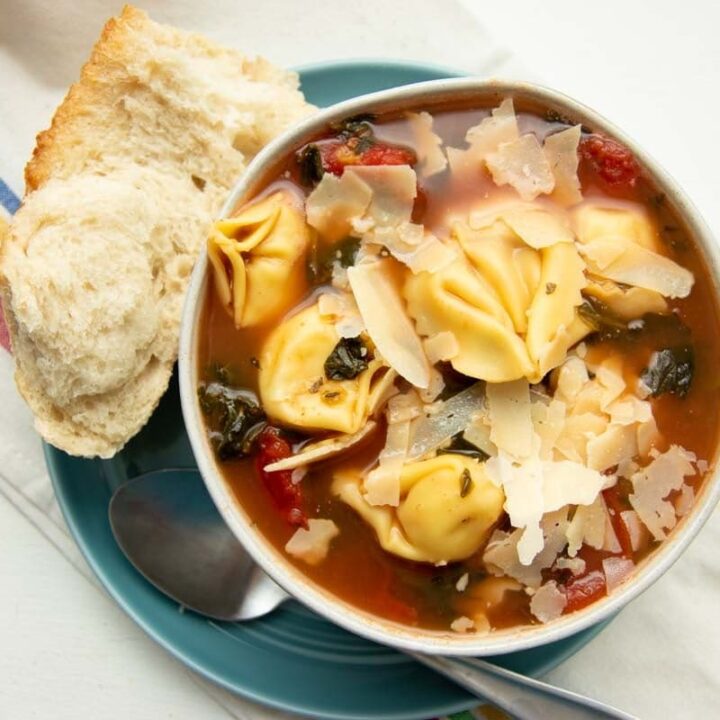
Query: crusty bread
x: 121, y: 191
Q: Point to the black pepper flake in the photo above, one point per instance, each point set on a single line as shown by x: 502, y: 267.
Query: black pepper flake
x: 550, y: 288
x: 255, y: 362
x: 315, y: 387
x: 466, y: 483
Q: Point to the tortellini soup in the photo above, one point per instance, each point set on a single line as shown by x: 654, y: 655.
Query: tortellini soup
x: 452, y: 364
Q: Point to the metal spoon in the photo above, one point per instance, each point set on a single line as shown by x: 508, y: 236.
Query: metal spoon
x: 168, y: 527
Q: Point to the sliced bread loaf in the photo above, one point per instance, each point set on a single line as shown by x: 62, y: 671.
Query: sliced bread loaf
x: 121, y: 191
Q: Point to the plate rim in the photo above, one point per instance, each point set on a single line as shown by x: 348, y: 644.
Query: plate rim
x: 53, y: 456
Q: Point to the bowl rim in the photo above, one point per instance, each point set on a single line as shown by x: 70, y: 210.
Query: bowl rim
x: 421, y: 96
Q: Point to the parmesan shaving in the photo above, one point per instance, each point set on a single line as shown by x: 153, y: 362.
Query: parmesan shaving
x: 522, y: 165
x: 636, y: 530
x: 617, y: 443
x: 382, y: 485
x: 537, y: 227
x: 631, y: 264
x: 387, y: 323
x: 312, y: 545
x: 654, y: 483
x: 462, y: 583
x: 575, y: 565
x: 511, y: 428
x: 462, y: 624
x: 561, y: 151
x: 393, y: 189
x: 322, y: 450
x: 548, y: 602
x: 684, y: 501
x: 335, y: 201
x: 587, y: 526
x: 421, y: 254
x: 428, y: 145
x: 404, y: 407
x: 477, y: 433
x: 500, y: 127
x: 434, y: 388
x: 443, y: 346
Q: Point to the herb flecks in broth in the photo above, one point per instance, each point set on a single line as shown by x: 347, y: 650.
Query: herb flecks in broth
x: 481, y: 365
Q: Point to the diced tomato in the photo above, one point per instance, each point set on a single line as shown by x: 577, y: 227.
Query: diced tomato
x: 271, y: 446
x: 582, y: 591
x: 614, y: 509
x: 337, y: 154
x: 612, y: 162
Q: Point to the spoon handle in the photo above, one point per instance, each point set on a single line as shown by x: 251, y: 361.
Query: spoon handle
x: 520, y: 696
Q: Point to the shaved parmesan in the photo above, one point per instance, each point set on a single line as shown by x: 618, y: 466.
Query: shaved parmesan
x: 616, y: 569
x: 462, y: 583
x: 617, y: 443
x: 477, y: 433
x: 343, y: 310
x: 684, y: 501
x: 648, y: 437
x: 538, y: 228
x: 575, y: 565
x: 631, y: 264
x: 312, y: 545
x: 548, y: 602
x: 587, y: 526
x: 572, y: 377
x: 611, y: 543
x: 609, y: 374
x: 501, y: 553
x: 393, y: 190
x: 442, y: 346
x: 322, y: 450
x: 421, y: 254
x: 501, y: 127
x: 449, y: 418
x: 382, y: 485
x: 434, y: 388
x: 334, y: 202
x: 462, y: 624
x: 387, y: 323
x: 428, y: 145
x: 522, y: 165
x: 654, y: 483
x: 404, y: 407
x: 630, y: 410
x: 569, y: 483
x: 635, y: 529
x: 298, y: 474
x: 561, y: 151
x: 548, y: 421
x: 511, y: 428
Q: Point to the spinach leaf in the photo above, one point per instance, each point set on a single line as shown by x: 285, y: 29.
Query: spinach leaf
x: 599, y: 316
x: 347, y: 360
x: 323, y: 256
x: 466, y: 483
x: 233, y: 416
x: 671, y: 371
x: 460, y: 446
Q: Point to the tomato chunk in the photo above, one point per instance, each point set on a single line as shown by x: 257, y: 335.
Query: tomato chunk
x: 271, y: 446
x: 336, y: 155
x: 612, y: 162
x: 584, y: 590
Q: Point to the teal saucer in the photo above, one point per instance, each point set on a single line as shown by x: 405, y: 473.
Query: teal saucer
x: 292, y: 659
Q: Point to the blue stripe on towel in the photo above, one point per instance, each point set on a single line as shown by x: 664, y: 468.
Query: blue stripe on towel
x: 8, y: 199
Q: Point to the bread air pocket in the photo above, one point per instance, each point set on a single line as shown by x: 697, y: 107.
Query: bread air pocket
x: 257, y: 259
x: 447, y: 508
x: 312, y: 379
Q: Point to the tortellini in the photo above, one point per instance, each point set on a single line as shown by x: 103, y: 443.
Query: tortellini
x: 257, y: 259
x: 512, y: 309
x: 293, y: 387
x: 448, y: 507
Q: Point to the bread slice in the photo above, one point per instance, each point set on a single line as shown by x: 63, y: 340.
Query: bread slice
x: 121, y: 191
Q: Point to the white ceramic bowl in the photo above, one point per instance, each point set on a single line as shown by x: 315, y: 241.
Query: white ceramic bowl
x: 426, y: 96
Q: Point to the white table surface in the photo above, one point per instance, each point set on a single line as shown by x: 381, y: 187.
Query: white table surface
x: 66, y: 651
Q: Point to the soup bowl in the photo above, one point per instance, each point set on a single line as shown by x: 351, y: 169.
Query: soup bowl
x: 426, y: 96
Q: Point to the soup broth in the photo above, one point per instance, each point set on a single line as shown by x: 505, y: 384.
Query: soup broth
x: 632, y: 395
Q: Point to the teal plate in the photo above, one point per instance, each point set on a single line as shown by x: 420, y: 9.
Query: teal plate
x: 292, y: 659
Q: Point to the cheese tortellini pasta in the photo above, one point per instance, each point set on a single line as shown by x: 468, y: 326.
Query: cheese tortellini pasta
x: 448, y: 507
x: 512, y: 308
x: 293, y: 387
x: 257, y: 259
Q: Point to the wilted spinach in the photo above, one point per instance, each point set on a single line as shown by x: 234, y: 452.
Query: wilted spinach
x: 671, y: 371
x: 323, y: 256
x: 347, y: 360
x: 233, y: 415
